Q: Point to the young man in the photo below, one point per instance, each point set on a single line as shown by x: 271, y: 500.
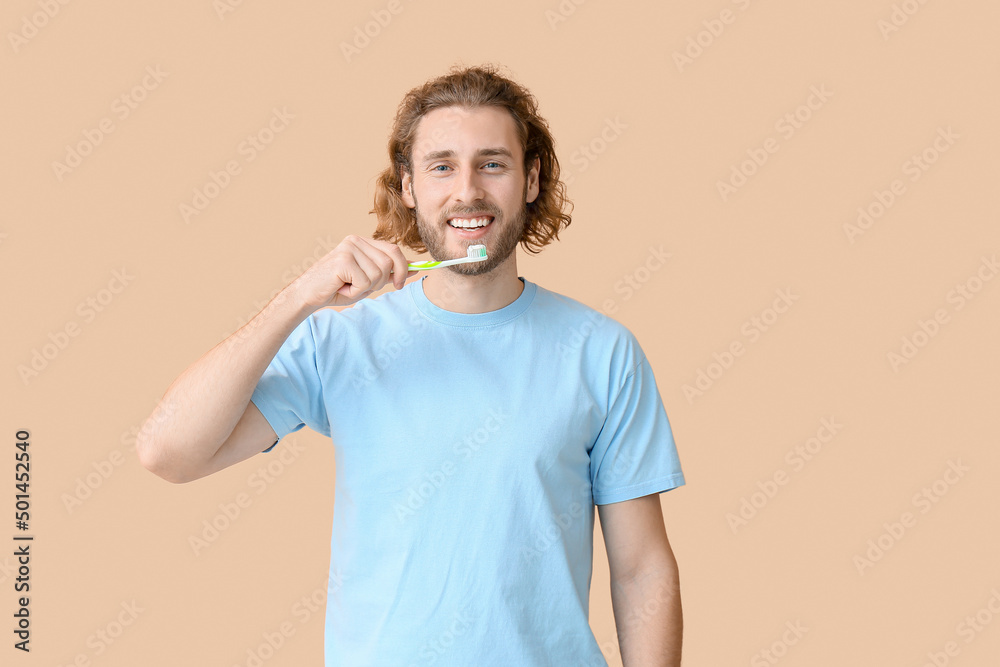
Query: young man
x: 476, y: 418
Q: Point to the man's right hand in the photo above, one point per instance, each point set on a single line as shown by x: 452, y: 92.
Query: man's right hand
x: 206, y: 420
x: 357, y: 267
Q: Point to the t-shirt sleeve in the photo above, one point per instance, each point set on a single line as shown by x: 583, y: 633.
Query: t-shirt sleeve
x: 635, y: 454
x: 290, y: 392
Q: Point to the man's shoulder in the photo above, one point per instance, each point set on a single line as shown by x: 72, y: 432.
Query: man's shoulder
x: 582, y: 331
x: 570, y: 310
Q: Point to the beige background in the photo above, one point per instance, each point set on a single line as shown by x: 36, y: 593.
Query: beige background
x: 652, y: 182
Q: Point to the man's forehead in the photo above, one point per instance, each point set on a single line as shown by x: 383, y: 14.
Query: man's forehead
x: 456, y: 128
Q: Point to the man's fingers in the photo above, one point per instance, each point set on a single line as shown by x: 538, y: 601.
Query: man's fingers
x: 355, y: 278
x: 369, y: 264
x: 398, y: 265
x: 368, y: 275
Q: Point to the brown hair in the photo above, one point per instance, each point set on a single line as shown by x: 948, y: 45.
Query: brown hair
x: 472, y: 87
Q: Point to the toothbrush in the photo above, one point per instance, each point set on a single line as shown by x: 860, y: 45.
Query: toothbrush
x: 476, y: 253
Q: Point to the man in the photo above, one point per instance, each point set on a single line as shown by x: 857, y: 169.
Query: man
x: 476, y: 418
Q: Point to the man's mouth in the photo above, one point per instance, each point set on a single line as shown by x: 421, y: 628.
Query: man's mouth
x: 470, y: 223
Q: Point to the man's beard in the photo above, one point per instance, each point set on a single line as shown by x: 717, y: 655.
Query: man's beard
x: 500, y: 246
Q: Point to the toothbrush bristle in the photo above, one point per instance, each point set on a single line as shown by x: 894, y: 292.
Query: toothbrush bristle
x: 476, y: 251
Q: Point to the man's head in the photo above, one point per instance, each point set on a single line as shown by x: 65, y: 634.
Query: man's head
x: 468, y: 144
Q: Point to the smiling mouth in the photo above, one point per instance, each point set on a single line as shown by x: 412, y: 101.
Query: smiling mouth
x: 470, y: 223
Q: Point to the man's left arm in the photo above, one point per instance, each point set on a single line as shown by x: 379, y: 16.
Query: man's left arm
x: 645, y: 585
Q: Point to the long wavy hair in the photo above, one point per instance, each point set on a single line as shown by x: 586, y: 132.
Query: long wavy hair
x: 472, y: 87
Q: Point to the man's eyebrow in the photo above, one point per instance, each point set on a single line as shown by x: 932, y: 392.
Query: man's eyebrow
x: 482, y: 152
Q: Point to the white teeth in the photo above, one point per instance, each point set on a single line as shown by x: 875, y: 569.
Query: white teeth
x: 469, y: 223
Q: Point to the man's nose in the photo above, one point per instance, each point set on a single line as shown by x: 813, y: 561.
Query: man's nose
x: 469, y: 186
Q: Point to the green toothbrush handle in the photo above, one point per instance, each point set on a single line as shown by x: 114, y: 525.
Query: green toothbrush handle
x: 417, y: 266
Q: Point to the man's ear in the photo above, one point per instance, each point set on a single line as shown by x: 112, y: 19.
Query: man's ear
x: 533, y: 187
x: 407, y: 184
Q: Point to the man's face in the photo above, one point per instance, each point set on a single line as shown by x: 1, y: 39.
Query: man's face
x: 468, y: 185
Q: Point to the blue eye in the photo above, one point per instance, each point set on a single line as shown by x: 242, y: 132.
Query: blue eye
x: 495, y: 163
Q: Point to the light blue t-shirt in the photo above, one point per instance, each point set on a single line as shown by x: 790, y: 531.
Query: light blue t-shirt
x: 470, y: 450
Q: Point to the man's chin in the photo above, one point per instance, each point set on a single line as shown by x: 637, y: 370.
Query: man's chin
x: 443, y: 247
x: 472, y: 268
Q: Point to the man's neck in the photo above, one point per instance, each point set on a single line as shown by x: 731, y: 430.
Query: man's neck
x: 474, y: 294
